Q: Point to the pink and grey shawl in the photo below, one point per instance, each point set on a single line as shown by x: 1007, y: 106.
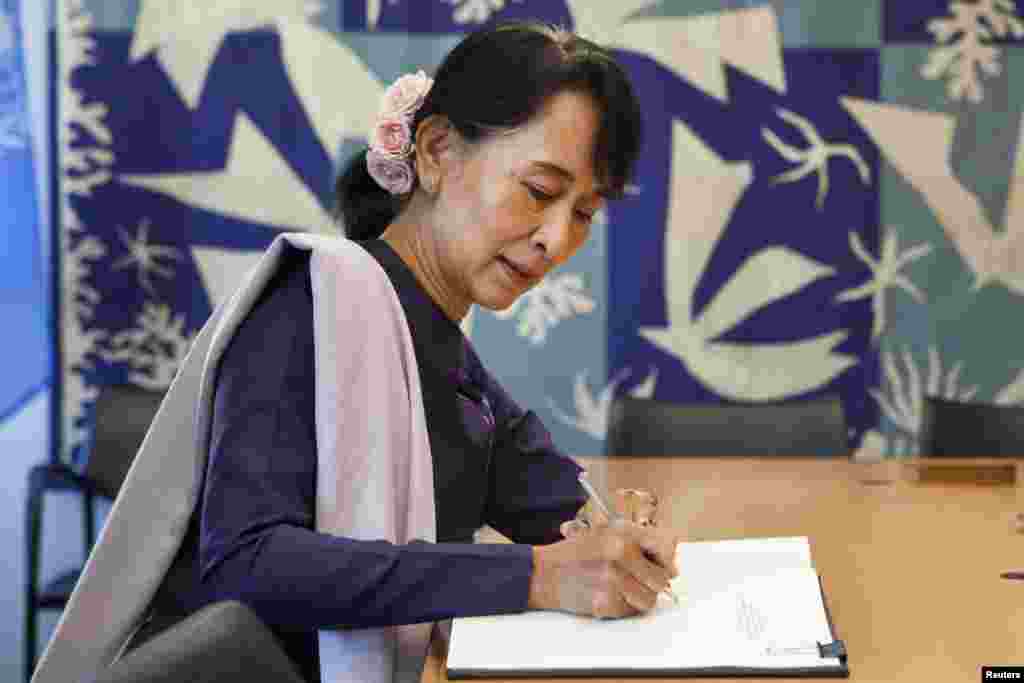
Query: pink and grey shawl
x: 374, y: 470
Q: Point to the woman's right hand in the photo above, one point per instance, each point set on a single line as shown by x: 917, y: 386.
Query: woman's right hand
x: 610, y: 571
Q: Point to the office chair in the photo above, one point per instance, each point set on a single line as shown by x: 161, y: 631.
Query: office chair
x: 123, y: 415
x: 645, y: 427
x: 953, y: 429
x: 224, y: 642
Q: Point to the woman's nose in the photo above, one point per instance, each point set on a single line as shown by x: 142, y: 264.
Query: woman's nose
x: 555, y: 237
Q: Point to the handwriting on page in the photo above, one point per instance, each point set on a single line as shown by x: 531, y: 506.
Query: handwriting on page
x: 753, y: 625
x: 750, y: 621
x: 766, y: 614
x: 745, y: 603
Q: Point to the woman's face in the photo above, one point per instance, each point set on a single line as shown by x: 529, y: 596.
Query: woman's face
x: 512, y: 192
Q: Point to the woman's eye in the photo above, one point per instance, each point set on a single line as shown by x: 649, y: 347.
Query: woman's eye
x: 584, y: 216
x: 539, y: 194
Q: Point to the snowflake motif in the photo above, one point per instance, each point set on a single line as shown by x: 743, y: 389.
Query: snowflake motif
x: 885, y: 274
x: 553, y: 300
x: 154, y: 348
x: 144, y: 255
x: 86, y: 159
x: 592, y: 412
x: 903, y: 403
x: 962, y: 60
x: 81, y: 341
x: 85, y: 164
x: 76, y: 425
x: 814, y: 158
x: 475, y: 11
x: 77, y: 269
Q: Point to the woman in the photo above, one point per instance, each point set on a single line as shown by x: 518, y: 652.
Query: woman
x: 476, y: 184
x: 523, y: 134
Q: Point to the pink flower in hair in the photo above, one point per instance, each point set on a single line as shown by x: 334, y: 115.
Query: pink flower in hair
x: 403, y: 97
x: 393, y: 174
x: 391, y: 136
x: 389, y: 157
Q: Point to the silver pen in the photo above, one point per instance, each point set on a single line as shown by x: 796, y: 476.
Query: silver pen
x: 614, y: 516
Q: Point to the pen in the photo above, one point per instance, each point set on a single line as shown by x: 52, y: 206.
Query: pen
x: 1019, y: 574
x: 612, y: 516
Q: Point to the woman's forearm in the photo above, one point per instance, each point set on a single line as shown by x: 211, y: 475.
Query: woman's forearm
x: 295, y: 577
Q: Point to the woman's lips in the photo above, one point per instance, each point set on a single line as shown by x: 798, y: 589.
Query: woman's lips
x: 515, y: 272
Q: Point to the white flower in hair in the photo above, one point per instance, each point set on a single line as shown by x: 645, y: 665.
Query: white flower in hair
x: 405, y: 96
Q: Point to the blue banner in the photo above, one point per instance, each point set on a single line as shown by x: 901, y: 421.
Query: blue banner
x: 741, y: 267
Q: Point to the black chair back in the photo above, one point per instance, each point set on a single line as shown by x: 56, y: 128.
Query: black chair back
x: 123, y: 415
x: 644, y: 427
x: 954, y: 429
x: 122, y: 418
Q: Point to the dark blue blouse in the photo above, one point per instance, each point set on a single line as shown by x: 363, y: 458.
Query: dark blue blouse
x: 493, y: 464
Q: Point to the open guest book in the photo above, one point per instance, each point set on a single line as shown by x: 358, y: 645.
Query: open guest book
x: 746, y: 607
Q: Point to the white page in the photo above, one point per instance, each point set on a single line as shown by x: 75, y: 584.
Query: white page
x: 707, y: 564
x: 728, y: 616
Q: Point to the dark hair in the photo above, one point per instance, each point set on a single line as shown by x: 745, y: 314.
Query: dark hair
x: 498, y: 78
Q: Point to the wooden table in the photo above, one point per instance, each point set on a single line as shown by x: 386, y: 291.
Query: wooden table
x: 910, y: 569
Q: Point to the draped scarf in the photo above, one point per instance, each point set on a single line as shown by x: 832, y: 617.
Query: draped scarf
x: 374, y: 468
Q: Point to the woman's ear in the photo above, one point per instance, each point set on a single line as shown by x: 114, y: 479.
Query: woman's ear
x: 435, y: 151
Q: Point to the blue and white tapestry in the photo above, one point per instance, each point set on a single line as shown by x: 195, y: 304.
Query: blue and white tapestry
x: 748, y: 262
x: 25, y: 364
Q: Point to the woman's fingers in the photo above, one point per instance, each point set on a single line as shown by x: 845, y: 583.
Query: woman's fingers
x: 660, y: 546
x: 610, y: 570
x: 636, y: 594
x: 573, y: 528
x: 648, y: 572
x: 623, y: 549
x: 638, y: 506
x: 618, y: 595
x: 645, y: 568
